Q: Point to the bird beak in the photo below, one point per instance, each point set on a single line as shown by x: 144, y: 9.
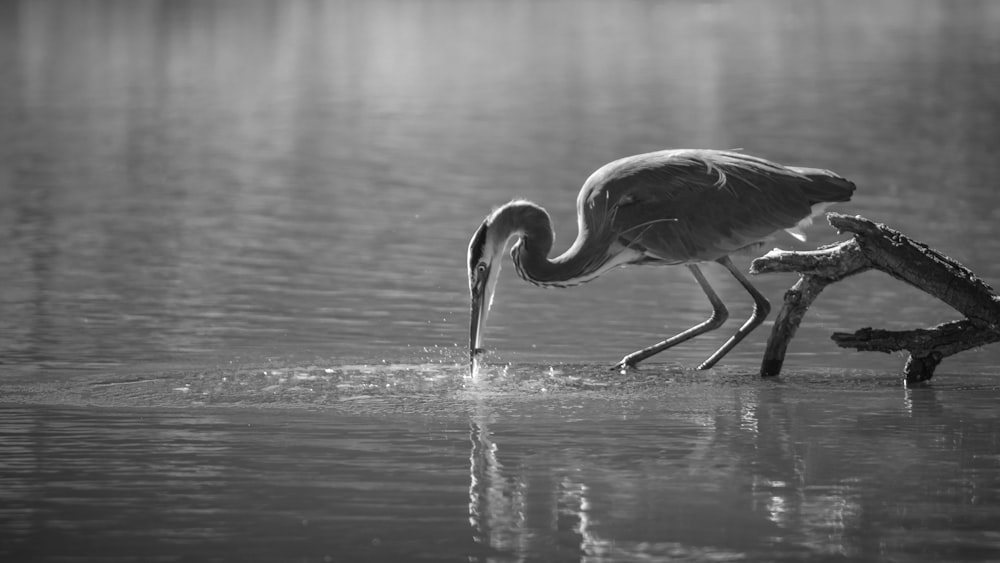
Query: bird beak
x: 480, y: 303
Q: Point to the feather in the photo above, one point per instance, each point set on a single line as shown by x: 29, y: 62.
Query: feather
x: 695, y: 205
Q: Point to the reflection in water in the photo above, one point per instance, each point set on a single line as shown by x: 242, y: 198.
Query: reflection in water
x: 692, y: 468
x: 499, y: 508
x: 774, y: 479
x: 496, y: 502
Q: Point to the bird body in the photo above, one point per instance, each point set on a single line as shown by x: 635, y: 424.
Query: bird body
x: 669, y: 207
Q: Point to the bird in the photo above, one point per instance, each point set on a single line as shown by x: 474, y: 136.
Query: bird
x: 670, y: 207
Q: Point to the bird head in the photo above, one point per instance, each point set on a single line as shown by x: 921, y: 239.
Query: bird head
x: 518, y: 218
x: 485, y: 249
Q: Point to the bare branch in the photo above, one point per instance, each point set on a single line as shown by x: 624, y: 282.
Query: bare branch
x: 877, y: 246
x: 923, y: 267
x: 834, y: 262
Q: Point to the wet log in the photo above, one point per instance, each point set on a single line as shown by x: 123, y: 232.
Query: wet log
x: 818, y: 269
x: 927, y: 346
x: 923, y: 267
x: 877, y: 246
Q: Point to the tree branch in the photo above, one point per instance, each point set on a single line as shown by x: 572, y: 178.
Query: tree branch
x: 923, y: 267
x: 819, y: 268
x: 877, y: 246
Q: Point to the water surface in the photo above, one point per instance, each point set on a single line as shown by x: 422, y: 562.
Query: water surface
x: 212, y: 182
x: 572, y: 466
x: 233, y: 303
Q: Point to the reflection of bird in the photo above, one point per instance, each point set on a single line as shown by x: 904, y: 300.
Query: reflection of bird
x: 668, y: 207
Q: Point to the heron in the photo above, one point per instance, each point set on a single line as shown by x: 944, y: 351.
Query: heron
x: 671, y: 207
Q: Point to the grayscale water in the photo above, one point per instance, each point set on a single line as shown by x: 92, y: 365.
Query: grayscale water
x: 233, y: 303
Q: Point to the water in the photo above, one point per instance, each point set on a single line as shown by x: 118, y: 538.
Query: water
x: 218, y: 214
x: 570, y: 466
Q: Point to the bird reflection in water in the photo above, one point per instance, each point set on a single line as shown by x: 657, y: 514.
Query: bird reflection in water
x: 515, y: 513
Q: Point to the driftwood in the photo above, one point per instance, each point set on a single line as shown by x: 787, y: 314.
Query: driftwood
x: 877, y: 246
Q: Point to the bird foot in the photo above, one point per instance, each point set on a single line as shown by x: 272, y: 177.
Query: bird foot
x: 624, y: 366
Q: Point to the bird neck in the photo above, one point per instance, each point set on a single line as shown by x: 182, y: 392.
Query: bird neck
x: 530, y: 253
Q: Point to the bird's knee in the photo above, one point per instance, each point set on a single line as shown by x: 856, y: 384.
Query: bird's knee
x: 719, y: 317
x: 761, y: 309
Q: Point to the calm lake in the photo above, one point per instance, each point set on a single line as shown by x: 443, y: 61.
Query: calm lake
x: 234, y: 303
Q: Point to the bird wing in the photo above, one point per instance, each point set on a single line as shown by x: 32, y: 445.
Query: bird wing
x: 693, y: 205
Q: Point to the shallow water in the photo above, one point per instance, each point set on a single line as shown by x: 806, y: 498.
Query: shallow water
x: 574, y: 465
x: 233, y: 301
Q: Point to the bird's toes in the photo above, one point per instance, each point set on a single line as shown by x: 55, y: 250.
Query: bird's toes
x: 624, y: 366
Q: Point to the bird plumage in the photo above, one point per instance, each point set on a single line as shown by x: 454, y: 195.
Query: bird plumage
x: 667, y: 207
x: 682, y: 206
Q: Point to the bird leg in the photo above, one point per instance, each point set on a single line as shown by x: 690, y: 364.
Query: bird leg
x: 719, y: 316
x: 761, y: 308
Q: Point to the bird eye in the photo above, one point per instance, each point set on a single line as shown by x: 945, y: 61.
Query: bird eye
x: 481, y: 268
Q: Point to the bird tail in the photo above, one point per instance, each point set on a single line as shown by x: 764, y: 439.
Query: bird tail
x: 824, y: 189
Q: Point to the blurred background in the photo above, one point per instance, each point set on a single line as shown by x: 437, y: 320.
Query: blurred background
x: 201, y: 183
